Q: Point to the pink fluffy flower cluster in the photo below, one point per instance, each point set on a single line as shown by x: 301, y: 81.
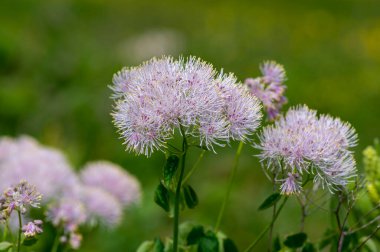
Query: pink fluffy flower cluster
x: 162, y: 95
x: 302, y: 143
x: 98, y: 195
x: 269, y: 88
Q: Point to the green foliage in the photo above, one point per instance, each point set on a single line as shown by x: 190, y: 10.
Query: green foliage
x: 276, y: 244
x: 208, y: 243
x: 162, y: 197
x: 4, y: 246
x: 195, y: 235
x: 309, y: 247
x: 170, y: 169
x: 193, y: 238
x: 57, y: 58
x: 270, y: 201
x: 229, y: 245
x: 296, y: 240
x: 191, y: 197
x: 29, y: 241
x: 152, y: 246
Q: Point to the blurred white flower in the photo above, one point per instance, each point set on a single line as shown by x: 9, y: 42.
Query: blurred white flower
x: 150, y: 43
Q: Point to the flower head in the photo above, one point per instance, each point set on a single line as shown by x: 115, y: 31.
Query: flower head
x: 20, y: 197
x: 68, y: 213
x: 113, y: 179
x: 269, y: 88
x: 290, y: 185
x: 32, y: 228
x: 301, y: 142
x: 272, y: 72
x: 25, y: 159
x: 162, y: 95
x: 102, y: 207
x: 75, y: 240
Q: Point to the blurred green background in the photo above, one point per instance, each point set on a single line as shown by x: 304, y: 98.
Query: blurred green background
x: 57, y: 59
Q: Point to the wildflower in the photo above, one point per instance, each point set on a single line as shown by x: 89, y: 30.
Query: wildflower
x: 24, y: 158
x: 301, y: 142
x: 290, y: 185
x: 272, y: 72
x: 21, y: 196
x: 32, y: 228
x: 75, y: 240
x: 114, y: 180
x: 102, y: 206
x: 269, y: 88
x: 68, y: 213
x: 162, y: 95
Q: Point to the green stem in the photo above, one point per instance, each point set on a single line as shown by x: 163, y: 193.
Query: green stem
x: 195, y: 166
x: 5, y: 234
x: 9, y: 231
x: 178, y: 194
x: 19, y: 231
x: 56, y: 242
x: 358, y: 248
x: 261, y: 235
x: 231, y: 181
x: 271, y: 228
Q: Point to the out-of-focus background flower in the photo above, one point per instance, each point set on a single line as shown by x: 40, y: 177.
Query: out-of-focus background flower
x: 57, y: 59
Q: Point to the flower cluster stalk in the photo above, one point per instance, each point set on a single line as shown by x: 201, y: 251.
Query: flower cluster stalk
x: 19, y: 231
x: 178, y: 192
x: 261, y: 235
x: 229, y: 188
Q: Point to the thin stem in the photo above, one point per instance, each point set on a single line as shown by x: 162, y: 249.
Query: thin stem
x: 367, y: 214
x: 364, y: 226
x: 366, y: 239
x: 231, y: 181
x: 178, y: 193
x: 303, y: 213
x: 5, y: 232
x: 342, y: 233
x: 56, y: 242
x: 195, y: 166
x: 337, y: 210
x: 261, y: 235
x: 19, y: 231
x: 9, y: 230
x: 177, y: 151
x: 271, y: 228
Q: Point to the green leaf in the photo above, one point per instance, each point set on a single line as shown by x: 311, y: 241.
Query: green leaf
x: 5, y: 245
x: 152, y: 246
x: 276, y: 244
x: 161, y: 197
x: 158, y: 245
x: 208, y: 243
x: 191, y: 197
x: 29, y: 241
x: 146, y: 246
x: 229, y: 245
x: 309, y: 247
x: 270, y: 201
x: 195, y: 235
x: 170, y: 169
x: 295, y: 241
x: 370, y: 245
x: 350, y: 239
